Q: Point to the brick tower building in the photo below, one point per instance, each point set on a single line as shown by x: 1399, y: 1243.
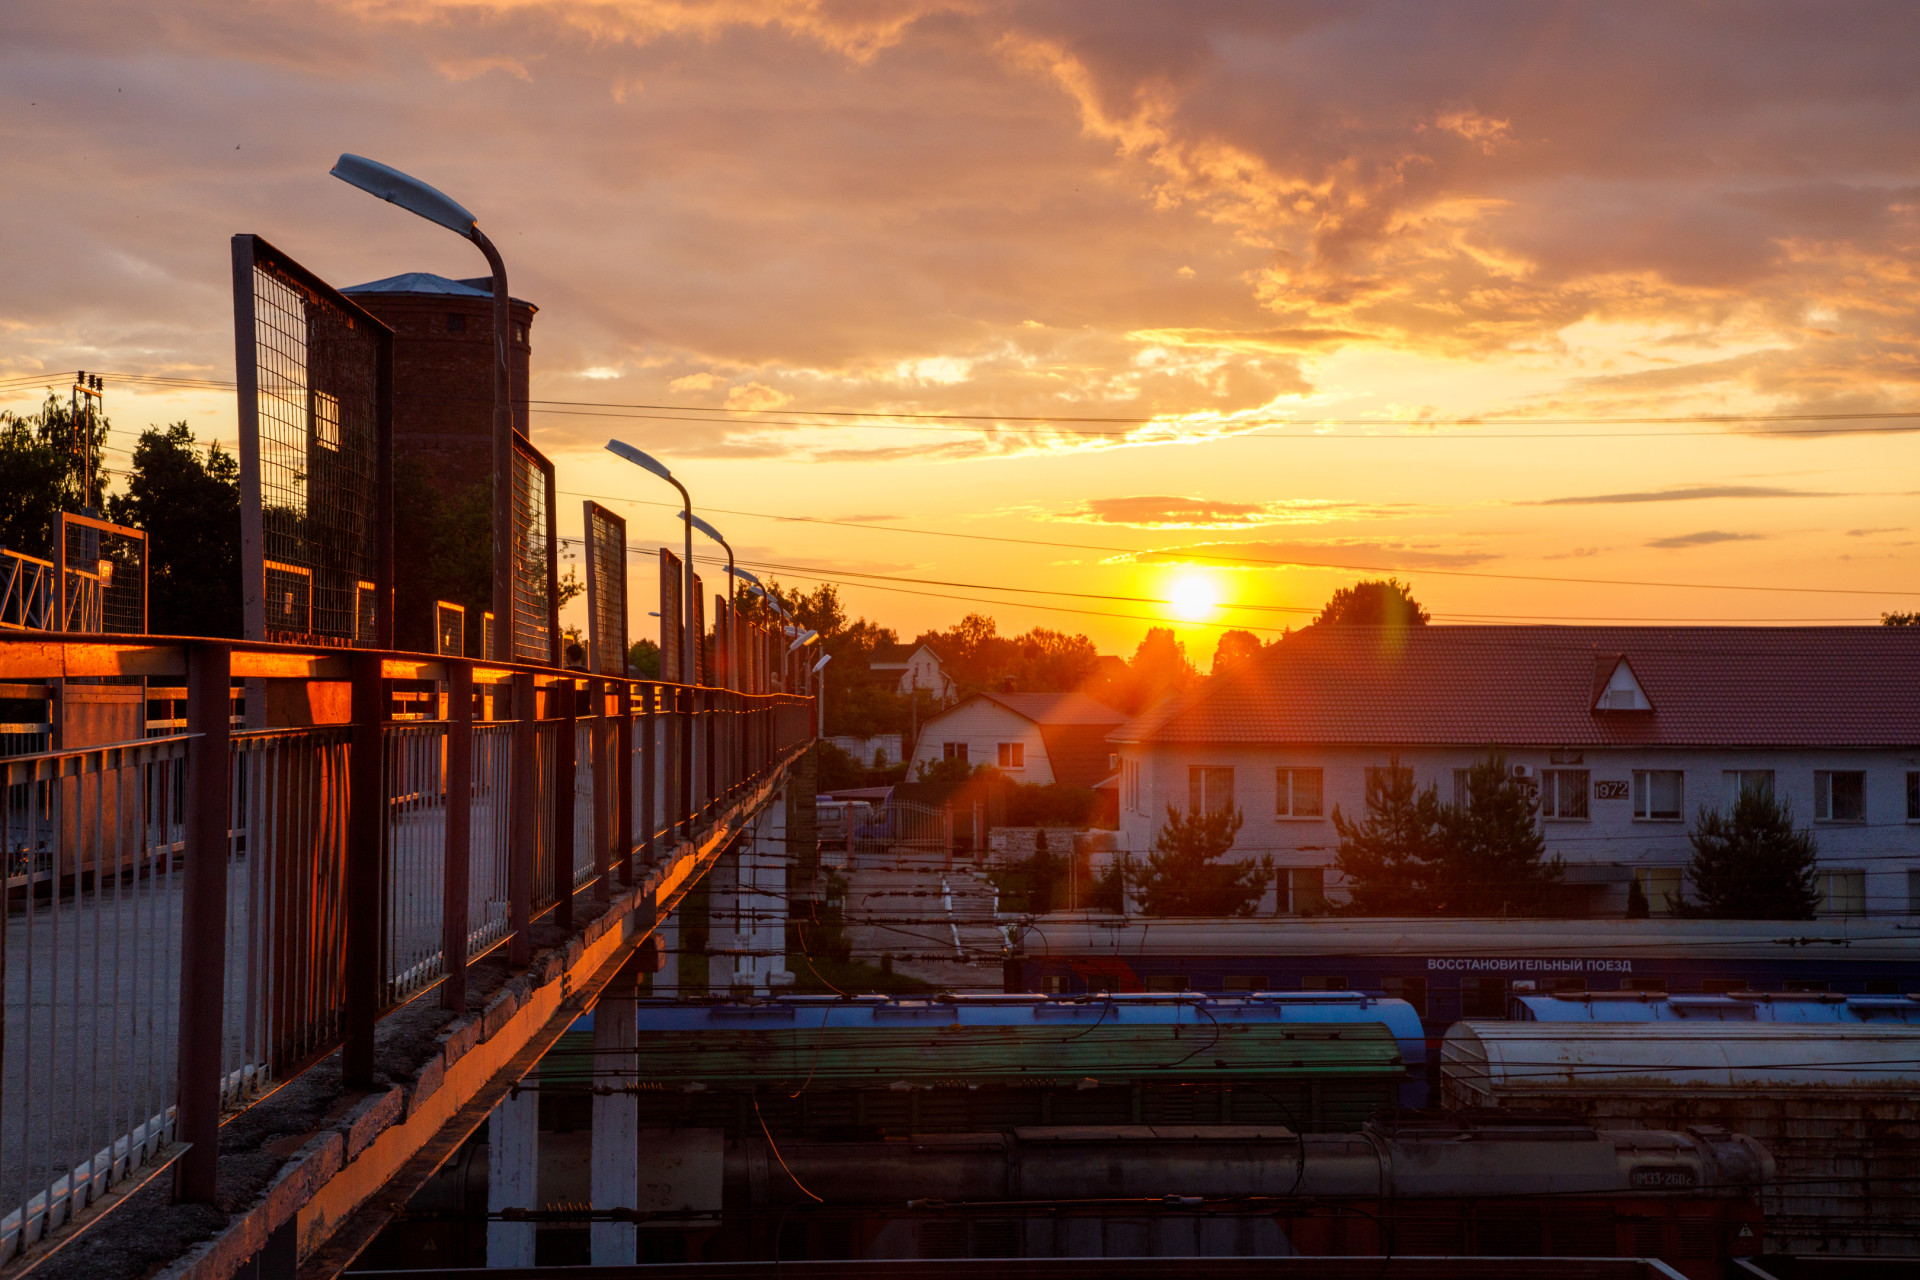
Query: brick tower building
x: 443, y: 440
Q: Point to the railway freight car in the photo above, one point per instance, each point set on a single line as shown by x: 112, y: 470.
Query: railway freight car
x: 805, y: 1066
x: 1837, y: 1104
x: 1451, y: 969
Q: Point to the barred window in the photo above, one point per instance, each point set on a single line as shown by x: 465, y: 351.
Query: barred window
x: 1564, y: 792
x: 1297, y: 793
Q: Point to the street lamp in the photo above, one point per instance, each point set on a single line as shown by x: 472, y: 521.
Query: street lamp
x: 820, y: 698
x: 688, y: 639
x: 714, y: 533
x: 443, y: 210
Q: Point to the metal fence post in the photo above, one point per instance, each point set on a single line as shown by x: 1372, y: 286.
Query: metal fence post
x: 683, y: 791
x: 203, y: 913
x: 605, y: 806
x: 623, y: 780
x: 459, y: 817
x: 709, y: 783
x: 649, y: 761
x: 526, y: 749
x: 366, y: 821
x: 564, y: 768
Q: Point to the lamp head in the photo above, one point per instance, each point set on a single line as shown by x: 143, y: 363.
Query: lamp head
x: 742, y: 573
x: 703, y: 527
x: 802, y: 640
x: 408, y: 192
x: 825, y: 658
x: 645, y: 461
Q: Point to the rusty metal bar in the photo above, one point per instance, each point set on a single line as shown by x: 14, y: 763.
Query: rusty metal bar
x: 605, y: 805
x: 203, y: 918
x: 567, y: 695
x: 525, y: 818
x: 455, y: 883
x: 366, y: 825
x: 623, y: 779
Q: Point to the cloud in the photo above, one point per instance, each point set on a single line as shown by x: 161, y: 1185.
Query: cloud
x: 1706, y: 537
x: 1161, y: 512
x: 1689, y: 493
x: 697, y: 382
x: 756, y: 397
x: 1353, y: 554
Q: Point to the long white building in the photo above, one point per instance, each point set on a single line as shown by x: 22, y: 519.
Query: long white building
x: 1626, y: 731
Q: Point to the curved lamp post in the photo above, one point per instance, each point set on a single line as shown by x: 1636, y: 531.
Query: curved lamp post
x: 443, y: 210
x: 732, y: 573
x: 820, y: 698
x: 689, y: 638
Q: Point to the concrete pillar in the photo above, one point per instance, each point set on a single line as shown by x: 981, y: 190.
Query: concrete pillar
x: 763, y: 879
x: 725, y: 931
x: 513, y: 1162
x: 616, y: 1118
x: 666, y: 982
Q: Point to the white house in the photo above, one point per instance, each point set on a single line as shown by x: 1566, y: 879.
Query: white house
x: 1627, y: 732
x: 1031, y: 737
x: 913, y: 666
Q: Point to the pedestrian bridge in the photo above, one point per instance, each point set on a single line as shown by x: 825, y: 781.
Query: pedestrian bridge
x: 284, y: 924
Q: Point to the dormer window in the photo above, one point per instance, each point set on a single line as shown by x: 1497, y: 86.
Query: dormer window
x: 1621, y: 690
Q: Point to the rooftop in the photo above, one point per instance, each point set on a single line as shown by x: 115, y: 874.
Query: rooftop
x: 1540, y: 686
x: 425, y: 282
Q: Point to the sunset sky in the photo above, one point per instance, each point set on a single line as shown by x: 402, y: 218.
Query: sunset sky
x: 1184, y: 291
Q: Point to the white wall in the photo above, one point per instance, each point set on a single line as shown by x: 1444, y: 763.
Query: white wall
x: 1885, y: 846
x: 983, y: 724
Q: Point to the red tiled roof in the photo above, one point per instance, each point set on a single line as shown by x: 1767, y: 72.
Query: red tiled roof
x: 1079, y: 753
x: 1535, y: 686
x: 1058, y: 708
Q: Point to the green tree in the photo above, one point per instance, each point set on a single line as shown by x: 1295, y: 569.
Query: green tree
x: 1492, y: 855
x: 1751, y: 864
x: 1901, y: 618
x: 38, y: 479
x: 643, y: 658
x: 1638, y: 908
x: 1184, y: 875
x: 1373, y: 603
x: 1413, y: 855
x: 1234, y: 648
x: 188, y: 501
x: 1387, y: 856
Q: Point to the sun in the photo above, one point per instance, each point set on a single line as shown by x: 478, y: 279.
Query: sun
x: 1193, y: 596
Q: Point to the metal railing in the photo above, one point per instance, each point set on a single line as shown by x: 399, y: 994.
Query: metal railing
x: 195, y: 917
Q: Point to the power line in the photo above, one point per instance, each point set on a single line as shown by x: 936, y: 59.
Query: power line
x: 1261, y: 560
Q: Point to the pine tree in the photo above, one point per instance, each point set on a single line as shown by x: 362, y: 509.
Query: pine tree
x: 1751, y: 864
x: 1637, y: 906
x: 1184, y: 876
x: 1492, y: 853
x: 1387, y: 856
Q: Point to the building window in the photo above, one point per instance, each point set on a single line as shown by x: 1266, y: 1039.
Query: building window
x: 1462, y: 788
x: 1839, y: 795
x: 326, y: 421
x: 1842, y: 893
x: 1563, y: 794
x: 1166, y: 982
x: 1209, y: 790
x: 1756, y: 780
x: 1306, y: 890
x: 1412, y: 989
x: 1297, y: 793
x: 1244, y: 982
x: 1658, y: 794
x: 1662, y: 887
x: 1913, y: 891
x: 1913, y: 797
x: 1013, y: 755
x: 1483, y: 997
x: 1379, y: 778
x: 953, y: 751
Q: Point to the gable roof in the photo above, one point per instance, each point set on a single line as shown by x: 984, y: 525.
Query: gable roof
x: 1057, y: 708
x: 897, y: 655
x: 1539, y: 686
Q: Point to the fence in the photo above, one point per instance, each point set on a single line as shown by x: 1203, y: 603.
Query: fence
x: 196, y: 916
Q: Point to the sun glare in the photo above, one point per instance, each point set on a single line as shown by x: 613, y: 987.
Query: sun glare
x: 1193, y: 597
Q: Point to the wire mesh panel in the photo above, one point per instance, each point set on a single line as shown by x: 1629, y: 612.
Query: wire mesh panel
x: 416, y: 840
x: 584, y: 831
x: 533, y: 556
x: 90, y: 997
x: 702, y: 673
x: 450, y: 628
x: 606, y: 591
x: 26, y: 592
x: 672, y: 624
x: 546, y: 792
x: 103, y: 571
x: 316, y: 450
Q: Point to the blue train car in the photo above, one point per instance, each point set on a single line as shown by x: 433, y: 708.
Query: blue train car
x: 1449, y: 969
